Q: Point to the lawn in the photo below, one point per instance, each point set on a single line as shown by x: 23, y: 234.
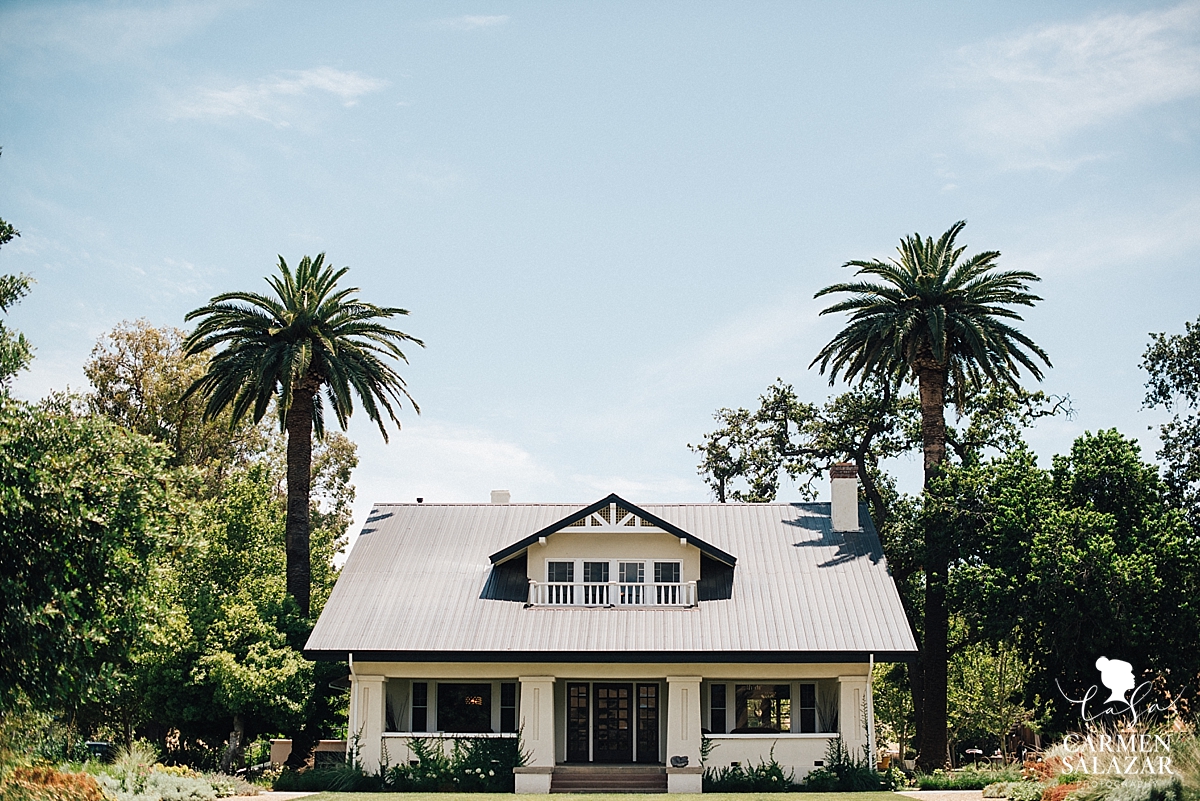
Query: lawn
x: 883, y: 796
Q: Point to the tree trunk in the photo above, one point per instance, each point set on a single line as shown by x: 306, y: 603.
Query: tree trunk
x: 931, y: 381
x: 299, y: 486
x: 931, y: 384
x: 237, y: 741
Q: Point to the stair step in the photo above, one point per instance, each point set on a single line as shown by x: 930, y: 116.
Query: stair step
x: 608, y: 779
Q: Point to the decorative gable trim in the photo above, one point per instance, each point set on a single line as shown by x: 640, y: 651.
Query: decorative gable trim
x: 613, y: 514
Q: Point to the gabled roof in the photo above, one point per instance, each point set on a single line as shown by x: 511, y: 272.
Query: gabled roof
x: 412, y: 585
x: 559, y: 525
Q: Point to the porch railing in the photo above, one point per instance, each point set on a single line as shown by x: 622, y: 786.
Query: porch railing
x: 612, y: 593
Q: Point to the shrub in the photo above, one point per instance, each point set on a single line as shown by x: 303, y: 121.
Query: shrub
x: 47, y: 784
x: 474, y: 764
x: 765, y: 777
x: 966, y: 778
x: 1059, y: 792
x: 1025, y: 791
x: 844, y: 773
x: 1157, y: 789
x: 336, y: 779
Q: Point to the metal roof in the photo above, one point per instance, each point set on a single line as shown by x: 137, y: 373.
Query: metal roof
x: 410, y: 591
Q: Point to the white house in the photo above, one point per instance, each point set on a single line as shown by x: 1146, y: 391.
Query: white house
x: 617, y: 634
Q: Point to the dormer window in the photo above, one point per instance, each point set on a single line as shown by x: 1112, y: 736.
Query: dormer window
x: 599, y: 588
x: 610, y: 554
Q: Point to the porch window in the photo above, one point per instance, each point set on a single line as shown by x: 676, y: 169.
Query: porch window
x: 420, y: 706
x: 560, y: 572
x: 716, y: 703
x: 808, y: 708
x: 464, y: 708
x: 508, y: 707
x: 763, y: 708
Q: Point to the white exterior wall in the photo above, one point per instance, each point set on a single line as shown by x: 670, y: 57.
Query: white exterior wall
x: 366, y: 718
x: 797, y: 752
x: 542, y: 710
x: 852, y: 712
x: 636, y: 544
x: 537, y: 734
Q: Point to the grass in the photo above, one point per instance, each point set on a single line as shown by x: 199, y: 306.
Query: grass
x: 882, y: 796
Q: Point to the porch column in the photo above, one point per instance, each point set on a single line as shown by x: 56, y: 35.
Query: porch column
x: 683, y: 734
x: 537, y: 734
x: 852, y: 713
x: 366, y: 719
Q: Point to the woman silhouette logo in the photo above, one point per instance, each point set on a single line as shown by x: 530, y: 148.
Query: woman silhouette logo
x: 1116, y: 675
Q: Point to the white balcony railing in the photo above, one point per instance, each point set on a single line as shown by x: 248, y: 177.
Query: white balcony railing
x: 613, y: 593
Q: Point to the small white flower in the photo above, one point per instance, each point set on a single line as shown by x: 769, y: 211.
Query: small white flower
x: 491, y: 773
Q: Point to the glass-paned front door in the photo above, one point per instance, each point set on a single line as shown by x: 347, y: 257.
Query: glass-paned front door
x: 612, y: 726
x: 577, y: 722
x: 647, y: 723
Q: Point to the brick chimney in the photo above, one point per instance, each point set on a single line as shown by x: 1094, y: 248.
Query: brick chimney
x: 844, y: 497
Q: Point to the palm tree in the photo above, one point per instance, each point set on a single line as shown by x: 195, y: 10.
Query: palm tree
x: 310, y: 336
x: 943, y: 323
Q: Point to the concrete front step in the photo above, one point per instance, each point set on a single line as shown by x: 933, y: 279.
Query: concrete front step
x: 608, y: 779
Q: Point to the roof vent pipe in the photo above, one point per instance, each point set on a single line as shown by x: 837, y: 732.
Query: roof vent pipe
x: 500, y: 496
x: 844, y: 497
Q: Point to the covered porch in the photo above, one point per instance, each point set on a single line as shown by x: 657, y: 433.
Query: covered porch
x: 573, y: 715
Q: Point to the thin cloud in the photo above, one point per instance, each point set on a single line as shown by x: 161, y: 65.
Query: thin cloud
x: 270, y: 99
x: 1041, y: 87
x: 469, y: 22
x: 104, y: 33
x: 1128, y: 241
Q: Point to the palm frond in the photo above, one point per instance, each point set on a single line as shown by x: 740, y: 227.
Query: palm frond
x: 308, y: 333
x: 931, y: 302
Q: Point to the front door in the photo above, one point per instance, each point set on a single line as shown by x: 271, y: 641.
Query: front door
x: 612, y: 723
x: 647, y: 723
x: 577, y: 722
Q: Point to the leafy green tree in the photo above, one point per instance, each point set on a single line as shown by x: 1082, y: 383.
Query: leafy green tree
x: 1087, y: 559
x: 84, y: 507
x: 311, y: 336
x: 786, y: 436
x: 219, y: 655
x: 15, y: 350
x: 987, y: 692
x: 893, y: 706
x: 139, y: 375
x: 941, y: 322
x: 1173, y: 364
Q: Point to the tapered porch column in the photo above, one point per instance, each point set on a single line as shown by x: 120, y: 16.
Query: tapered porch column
x: 852, y: 713
x: 537, y: 734
x: 367, y: 711
x: 683, y: 733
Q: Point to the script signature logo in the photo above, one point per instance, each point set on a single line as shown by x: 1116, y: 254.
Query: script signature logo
x: 1126, y: 696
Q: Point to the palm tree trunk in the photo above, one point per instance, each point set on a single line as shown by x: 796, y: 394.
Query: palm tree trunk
x: 931, y: 384
x: 931, y: 381
x: 299, y: 486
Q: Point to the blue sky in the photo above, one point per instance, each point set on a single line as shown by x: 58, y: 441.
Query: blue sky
x: 607, y: 219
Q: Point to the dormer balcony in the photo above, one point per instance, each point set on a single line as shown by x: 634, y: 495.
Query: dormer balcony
x: 612, y: 593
